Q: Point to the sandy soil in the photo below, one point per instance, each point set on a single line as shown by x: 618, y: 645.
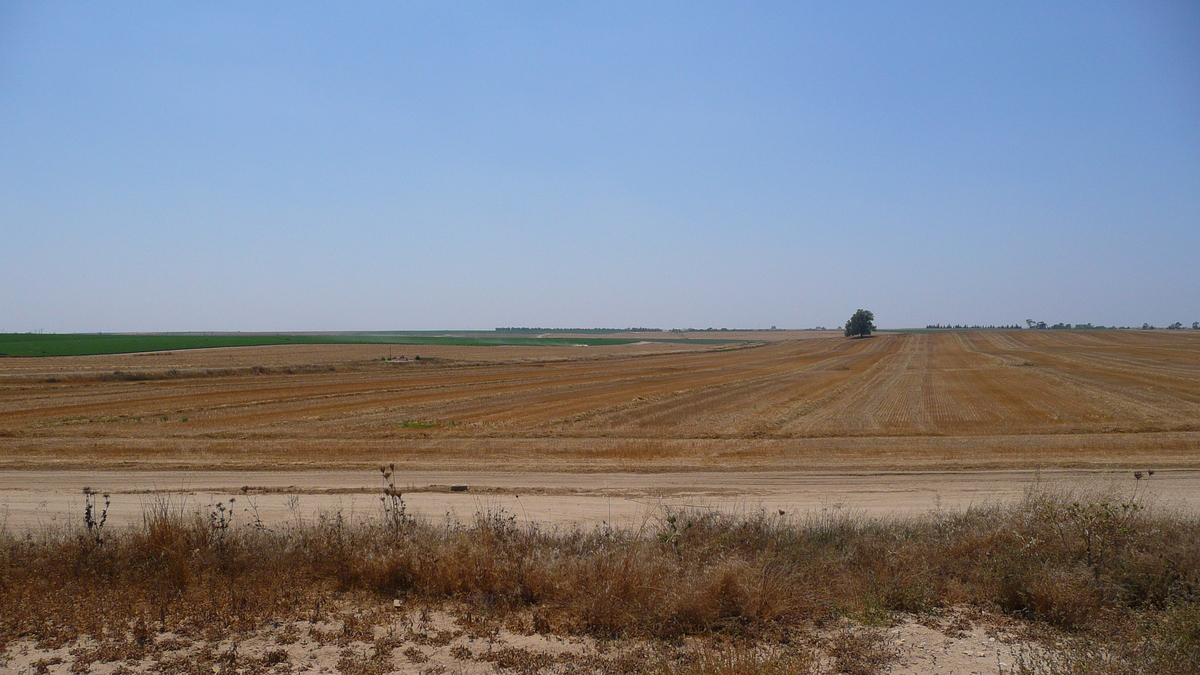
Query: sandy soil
x: 423, y: 641
x: 32, y: 498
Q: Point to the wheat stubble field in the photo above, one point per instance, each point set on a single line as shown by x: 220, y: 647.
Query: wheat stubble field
x: 969, y: 400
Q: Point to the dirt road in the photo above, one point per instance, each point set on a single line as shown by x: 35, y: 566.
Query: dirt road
x: 30, y: 498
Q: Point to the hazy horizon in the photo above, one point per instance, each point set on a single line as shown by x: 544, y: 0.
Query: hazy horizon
x: 838, y: 326
x: 318, y: 167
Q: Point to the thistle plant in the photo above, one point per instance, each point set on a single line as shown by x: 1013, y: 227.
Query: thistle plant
x: 94, y: 515
x: 395, y: 512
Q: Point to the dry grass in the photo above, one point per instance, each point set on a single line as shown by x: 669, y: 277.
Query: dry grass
x: 1160, y: 643
x: 1102, y: 572
x: 988, y: 399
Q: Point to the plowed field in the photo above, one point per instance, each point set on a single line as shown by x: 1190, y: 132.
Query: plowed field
x: 895, y: 401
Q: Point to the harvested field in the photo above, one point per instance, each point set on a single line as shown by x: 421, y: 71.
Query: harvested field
x: 195, y: 362
x: 967, y: 400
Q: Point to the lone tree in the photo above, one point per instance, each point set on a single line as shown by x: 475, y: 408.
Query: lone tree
x: 860, y: 324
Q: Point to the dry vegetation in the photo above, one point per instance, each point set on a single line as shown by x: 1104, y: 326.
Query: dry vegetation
x: 1105, y: 584
x: 962, y: 400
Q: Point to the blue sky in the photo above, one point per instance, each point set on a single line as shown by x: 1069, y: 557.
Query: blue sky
x: 303, y: 166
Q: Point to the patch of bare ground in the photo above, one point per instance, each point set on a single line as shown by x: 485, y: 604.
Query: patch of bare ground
x: 1056, y: 583
x: 453, y: 640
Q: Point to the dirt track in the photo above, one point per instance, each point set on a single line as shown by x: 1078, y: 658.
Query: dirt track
x: 34, y: 497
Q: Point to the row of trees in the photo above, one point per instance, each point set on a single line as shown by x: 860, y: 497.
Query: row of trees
x: 937, y: 326
x: 862, y: 324
x: 1041, y: 325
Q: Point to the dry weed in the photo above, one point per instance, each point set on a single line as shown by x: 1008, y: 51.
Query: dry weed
x: 1083, y: 564
x: 862, y: 650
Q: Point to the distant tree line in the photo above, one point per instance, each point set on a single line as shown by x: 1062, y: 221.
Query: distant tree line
x: 524, y: 329
x: 1041, y: 325
x: 710, y: 329
x: 963, y: 326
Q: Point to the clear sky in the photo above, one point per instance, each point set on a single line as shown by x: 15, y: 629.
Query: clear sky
x: 342, y: 166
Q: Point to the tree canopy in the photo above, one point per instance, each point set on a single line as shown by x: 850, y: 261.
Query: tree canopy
x: 860, y: 324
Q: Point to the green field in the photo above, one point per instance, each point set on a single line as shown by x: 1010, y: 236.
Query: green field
x: 84, y: 344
